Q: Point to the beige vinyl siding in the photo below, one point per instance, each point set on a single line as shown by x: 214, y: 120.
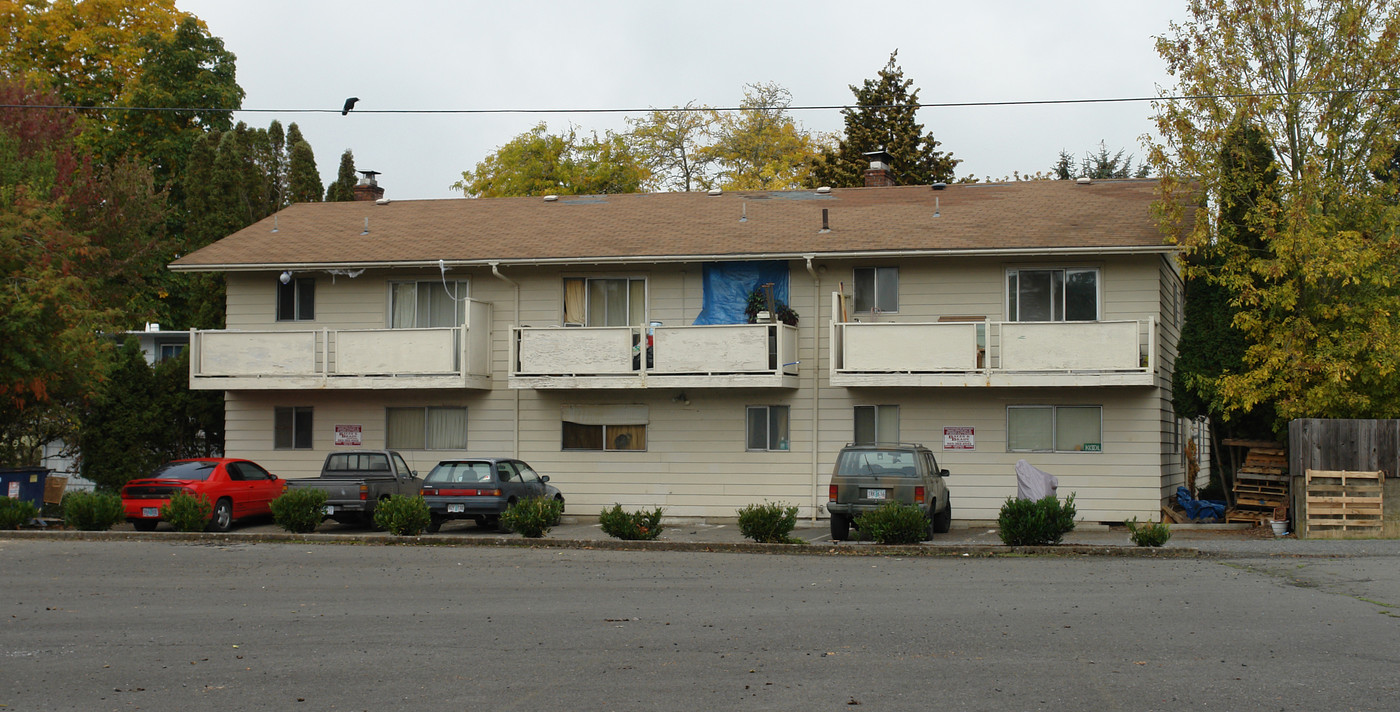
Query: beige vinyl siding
x: 696, y: 463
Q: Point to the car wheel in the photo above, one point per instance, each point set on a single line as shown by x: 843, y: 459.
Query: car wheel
x: 943, y: 521
x: 145, y: 525
x: 490, y: 522
x: 840, y: 527
x: 560, y: 499
x: 223, y: 516
x: 434, y: 524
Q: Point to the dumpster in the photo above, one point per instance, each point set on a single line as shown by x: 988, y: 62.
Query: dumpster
x: 26, y: 483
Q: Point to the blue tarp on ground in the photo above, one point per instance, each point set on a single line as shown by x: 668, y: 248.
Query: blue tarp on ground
x: 1200, y: 510
x: 727, y: 286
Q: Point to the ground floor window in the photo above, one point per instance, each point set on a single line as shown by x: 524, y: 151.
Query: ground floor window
x: 291, y: 428
x: 876, y: 424
x: 583, y: 436
x: 767, y: 427
x: 1054, y: 428
x: 432, y: 428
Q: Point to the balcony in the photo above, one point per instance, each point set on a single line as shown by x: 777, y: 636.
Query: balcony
x: 345, y: 358
x: 994, y: 353
x: 724, y: 356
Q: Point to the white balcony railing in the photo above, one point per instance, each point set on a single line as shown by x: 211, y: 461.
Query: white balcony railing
x: 635, y: 356
x: 966, y: 353
x: 345, y: 358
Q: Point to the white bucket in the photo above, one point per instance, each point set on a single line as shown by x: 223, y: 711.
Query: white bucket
x: 1280, y: 527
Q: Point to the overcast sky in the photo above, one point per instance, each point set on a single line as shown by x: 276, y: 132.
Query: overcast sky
x: 517, y: 54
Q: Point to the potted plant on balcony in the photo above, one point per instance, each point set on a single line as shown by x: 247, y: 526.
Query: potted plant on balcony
x: 758, y: 303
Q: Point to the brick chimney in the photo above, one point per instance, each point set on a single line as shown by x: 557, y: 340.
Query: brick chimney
x: 878, y: 174
x: 368, y: 188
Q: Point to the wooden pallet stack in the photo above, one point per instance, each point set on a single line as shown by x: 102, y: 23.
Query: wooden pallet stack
x: 1342, y: 503
x: 1261, y: 485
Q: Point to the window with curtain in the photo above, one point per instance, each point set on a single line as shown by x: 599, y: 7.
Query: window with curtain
x: 1052, y: 295
x: 767, y: 427
x: 427, y: 304
x: 431, y: 428
x: 1054, y: 428
x: 876, y: 424
x: 876, y: 289
x: 296, y: 300
x: 605, y: 301
x: 291, y: 428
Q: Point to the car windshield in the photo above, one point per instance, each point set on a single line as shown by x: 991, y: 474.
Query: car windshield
x: 198, y: 470
x: 878, y: 462
x: 461, y: 472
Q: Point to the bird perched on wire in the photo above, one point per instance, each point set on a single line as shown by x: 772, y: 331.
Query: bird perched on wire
x: 349, y: 104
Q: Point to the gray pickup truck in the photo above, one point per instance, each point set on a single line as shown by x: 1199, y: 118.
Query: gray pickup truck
x: 356, y: 480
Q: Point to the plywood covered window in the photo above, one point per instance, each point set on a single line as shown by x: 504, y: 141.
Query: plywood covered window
x: 432, y: 428
x: 1052, y: 294
x: 604, y: 427
x: 427, y: 304
x: 1054, y: 428
x: 609, y: 301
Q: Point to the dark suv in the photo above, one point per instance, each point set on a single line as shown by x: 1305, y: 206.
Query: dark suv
x: 868, y: 476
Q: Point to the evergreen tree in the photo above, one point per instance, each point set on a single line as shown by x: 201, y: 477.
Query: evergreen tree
x: 277, y: 158
x: 303, y: 181
x: 884, y: 118
x: 343, y: 188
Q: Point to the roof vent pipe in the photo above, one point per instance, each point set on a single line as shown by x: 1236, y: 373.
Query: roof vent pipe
x: 826, y: 225
x: 366, y: 232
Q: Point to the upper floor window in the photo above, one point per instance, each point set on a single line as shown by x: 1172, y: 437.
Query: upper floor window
x: 427, y: 304
x: 605, y: 301
x: 1052, y: 294
x: 296, y: 300
x: 876, y: 289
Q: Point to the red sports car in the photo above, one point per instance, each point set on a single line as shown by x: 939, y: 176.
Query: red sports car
x: 236, y: 488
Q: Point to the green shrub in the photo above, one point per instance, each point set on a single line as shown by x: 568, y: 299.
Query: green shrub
x: 1149, y: 533
x: 402, y: 515
x: 894, y: 523
x: 630, y: 525
x: 768, y: 523
x: 92, y: 511
x: 533, y: 517
x: 300, y: 510
x: 15, y: 513
x: 187, y: 513
x: 1025, y: 522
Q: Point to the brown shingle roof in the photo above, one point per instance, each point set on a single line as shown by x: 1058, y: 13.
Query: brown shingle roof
x: 1031, y: 217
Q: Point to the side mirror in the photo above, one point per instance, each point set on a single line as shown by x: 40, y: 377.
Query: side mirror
x: 544, y: 478
x: 943, y: 473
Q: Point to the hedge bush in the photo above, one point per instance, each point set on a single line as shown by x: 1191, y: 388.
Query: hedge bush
x: 630, y: 525
x: 533, y: 517
x: 402, y: 515
x: 92, y: 511
x: 300, y: 510
x: 768, y: 523
x: 894, y: 523
x: 1148, y: 533
x: 15, y: 513
x: 187, y: 513
x: 1041, y: 522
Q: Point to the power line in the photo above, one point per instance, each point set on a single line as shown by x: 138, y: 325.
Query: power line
x: 684, y: 109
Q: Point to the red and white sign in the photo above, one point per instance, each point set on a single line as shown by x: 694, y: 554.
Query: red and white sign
x: 959, y: 439
x: 349, y: 435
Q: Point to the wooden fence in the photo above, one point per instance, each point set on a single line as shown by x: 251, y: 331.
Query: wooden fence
x: 1352, y: 445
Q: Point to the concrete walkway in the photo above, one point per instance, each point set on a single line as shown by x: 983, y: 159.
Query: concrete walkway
x: 966, y: 538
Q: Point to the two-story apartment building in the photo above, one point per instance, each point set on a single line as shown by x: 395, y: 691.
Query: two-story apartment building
x: 595, y: 337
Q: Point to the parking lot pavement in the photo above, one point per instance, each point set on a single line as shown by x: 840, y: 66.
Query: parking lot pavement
x: 1216, y: 540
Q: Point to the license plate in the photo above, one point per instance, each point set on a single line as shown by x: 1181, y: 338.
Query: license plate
x: 330, y: 509
x: 875, y: 494
x: 456, y: 508
x: 150, y: 512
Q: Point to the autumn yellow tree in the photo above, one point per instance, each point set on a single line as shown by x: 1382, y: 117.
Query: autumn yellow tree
x: 1317, y: 298
x: 761, y: 147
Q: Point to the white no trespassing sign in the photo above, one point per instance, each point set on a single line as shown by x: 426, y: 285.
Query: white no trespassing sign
x: 959, y: 438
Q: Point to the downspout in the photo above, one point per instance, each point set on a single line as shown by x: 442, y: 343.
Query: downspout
x: 816, y: 386
x: 496, y: 272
